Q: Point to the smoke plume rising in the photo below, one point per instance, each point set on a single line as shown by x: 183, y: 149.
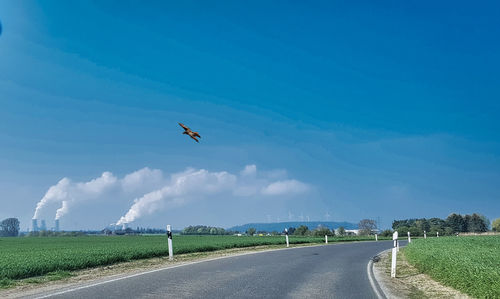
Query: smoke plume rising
x: 69, y: 193
x: 200, y: 184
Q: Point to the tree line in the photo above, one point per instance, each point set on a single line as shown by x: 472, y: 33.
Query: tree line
x: 453, y: 224
x: 204, y: 230
x: 302, y: 230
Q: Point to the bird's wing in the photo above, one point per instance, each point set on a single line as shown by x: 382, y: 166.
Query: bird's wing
x: 194, y: 138
x: 184, y: 127
x: 196, y: 134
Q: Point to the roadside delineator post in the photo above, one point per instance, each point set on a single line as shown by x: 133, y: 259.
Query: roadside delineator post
x: 394, y: 254
x: 169, y: 236
x: 286, y: 237
x: 326, y: 239
x: 376, y: 237
x: 425, y: 234
x: 409, y: 238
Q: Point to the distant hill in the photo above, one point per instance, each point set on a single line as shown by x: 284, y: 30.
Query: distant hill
x: 279, y: 226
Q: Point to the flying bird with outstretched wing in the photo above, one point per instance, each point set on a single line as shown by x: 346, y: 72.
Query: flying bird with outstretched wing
x: 191, y: 134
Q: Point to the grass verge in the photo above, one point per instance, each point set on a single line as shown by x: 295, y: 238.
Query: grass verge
x: 469, y: 264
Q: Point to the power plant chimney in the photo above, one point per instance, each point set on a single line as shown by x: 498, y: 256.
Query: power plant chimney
x: 43, y: 226
x: 57, y: 225
x: 34, y: 225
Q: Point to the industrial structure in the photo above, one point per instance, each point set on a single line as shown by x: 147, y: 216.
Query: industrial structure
x: 43, y: 225
x: 34, y: 225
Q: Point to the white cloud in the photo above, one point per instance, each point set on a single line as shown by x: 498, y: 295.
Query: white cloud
x: 285, y: 187
x: 141, y: 179
x: 249, y: 170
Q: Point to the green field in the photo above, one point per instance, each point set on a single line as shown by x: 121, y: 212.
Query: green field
x: 469, y: 264
x: 34, y: 256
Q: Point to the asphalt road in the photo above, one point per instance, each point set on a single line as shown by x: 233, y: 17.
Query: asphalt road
x: 331, y: 271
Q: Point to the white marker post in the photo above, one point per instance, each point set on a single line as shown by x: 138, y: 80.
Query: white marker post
x: 376, y: 237
x: 437, y: 234
x: 326, y: 239
x: 425, y: 234
x: 394, y: 254
x: 286, y: 237
x: 170, y: 249
x: 409, y: 238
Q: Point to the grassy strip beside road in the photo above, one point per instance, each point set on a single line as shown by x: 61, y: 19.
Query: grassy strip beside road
x: 33, y: 256
x: 469, y: 264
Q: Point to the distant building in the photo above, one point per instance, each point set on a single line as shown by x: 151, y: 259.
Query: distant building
x: 57, y: 225
x: 352, y: 232
x: 34, y: 225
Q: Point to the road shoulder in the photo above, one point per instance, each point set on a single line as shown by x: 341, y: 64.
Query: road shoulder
x: 409, y: 282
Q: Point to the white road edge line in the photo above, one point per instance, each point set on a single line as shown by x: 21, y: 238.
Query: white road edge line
x: 372, y: 280
x: 167, y: 268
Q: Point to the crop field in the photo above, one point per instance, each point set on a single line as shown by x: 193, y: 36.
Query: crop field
x: 34, y: 256
x: 469, y: 264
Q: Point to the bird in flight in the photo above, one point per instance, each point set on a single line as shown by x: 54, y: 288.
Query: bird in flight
x: 191, y: 134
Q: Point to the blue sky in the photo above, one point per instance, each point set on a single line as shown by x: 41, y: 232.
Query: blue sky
x: 386, y: 110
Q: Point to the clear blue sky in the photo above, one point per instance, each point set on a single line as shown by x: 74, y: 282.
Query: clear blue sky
x: 386, y: 110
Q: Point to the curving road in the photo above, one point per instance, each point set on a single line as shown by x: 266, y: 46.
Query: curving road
x: 331, y: 271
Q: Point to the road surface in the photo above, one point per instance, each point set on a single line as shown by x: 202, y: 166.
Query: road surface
x: 330, y: 271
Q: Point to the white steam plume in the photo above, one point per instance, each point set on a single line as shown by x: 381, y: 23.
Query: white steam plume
x: 68, y: 193
x: 62, y: 210
x: 187, y: 184
x: 55, y: 193
x: 158, y: 193
x: 199, y: 184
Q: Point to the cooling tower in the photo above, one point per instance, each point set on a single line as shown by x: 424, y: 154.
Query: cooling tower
x: 34, y: 225
x: 57, y: 225
x: 43, y: 226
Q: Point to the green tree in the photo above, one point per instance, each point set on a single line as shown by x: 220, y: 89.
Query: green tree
x: 403, y: 231
x: 322, y: 231
x: 456, y: 222
x: 386, y: 233
x: 448, y: 231
x: 477, y: 223
x: 366, y: 227
x: 9, y: 227
x: 415, y: 231
x: 423, y: 224
x: 301, y: 230
x: 341, y: 231
x: 495, y: 225
x: 437, y: 223
x: 251, y: 231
